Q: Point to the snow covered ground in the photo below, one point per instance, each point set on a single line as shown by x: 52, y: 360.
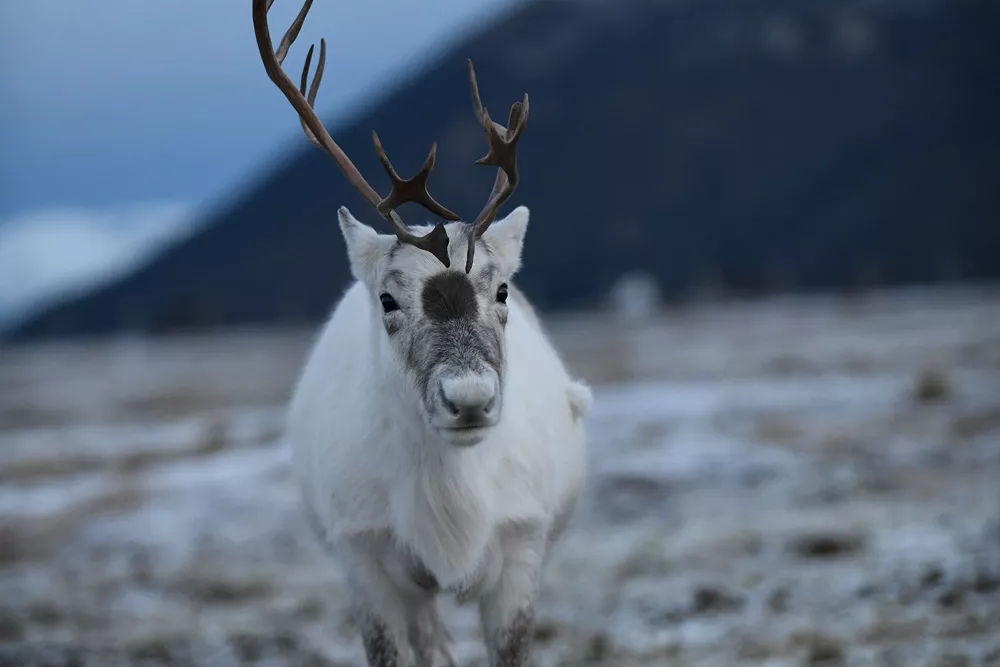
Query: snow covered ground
x: 790, y: 482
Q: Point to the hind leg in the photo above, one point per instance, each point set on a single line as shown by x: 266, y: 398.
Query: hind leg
x: 429, y: 638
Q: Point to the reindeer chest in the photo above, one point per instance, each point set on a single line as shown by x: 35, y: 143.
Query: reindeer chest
x: 410, y: 572
x: 447, y: 525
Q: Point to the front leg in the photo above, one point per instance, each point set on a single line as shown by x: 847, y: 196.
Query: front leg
x: 382, y: 641
x: 429, y: 637
x: 509, y: 644
x: 380, y: 606
x: 507, y: 611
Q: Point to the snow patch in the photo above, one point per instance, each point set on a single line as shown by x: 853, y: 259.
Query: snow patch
x: 49, y: 253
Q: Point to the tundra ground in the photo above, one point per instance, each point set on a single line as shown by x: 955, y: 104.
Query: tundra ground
x: 809, y: 481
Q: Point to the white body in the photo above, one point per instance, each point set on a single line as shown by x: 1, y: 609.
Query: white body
x: 368, y: 463
x: 395, y: 501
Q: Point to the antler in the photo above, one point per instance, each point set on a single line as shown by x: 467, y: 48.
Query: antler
x: 502, y: 154
x: 403, y: 190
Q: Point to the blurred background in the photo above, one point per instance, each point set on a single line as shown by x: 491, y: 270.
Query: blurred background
x: 766, y: 233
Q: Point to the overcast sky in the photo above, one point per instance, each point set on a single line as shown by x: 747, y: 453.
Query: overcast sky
x: 120, y: 101
x: 116, y: 105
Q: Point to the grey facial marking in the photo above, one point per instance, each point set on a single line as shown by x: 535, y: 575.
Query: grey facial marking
x: 486, y: 277
x: 452, y: 337
x: 449, y: 295
x: 482, y: 245
x: 413, y: 355
x: 467, y: 345
x: 512, y: 646
x: 393, y: 325
x: 380, y: 648
x: 458, y: 344
x: 394, y: 249
x: 496, y: 341
x: 398, y: 277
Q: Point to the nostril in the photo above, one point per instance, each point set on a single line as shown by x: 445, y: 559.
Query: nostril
x: 494, y: 399
x: 449, y: 405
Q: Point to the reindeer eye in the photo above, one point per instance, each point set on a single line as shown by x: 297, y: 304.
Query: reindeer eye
x: 502, y: 293
x: 388, y: 303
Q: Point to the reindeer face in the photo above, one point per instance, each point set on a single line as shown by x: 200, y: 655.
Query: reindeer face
x: 446, y: 327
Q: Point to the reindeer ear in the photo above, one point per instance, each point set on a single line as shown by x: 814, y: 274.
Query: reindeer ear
x: 365, y: 246
x: 506, y: 237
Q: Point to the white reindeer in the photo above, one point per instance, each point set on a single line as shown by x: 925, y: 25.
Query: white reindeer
x: 436, y: 434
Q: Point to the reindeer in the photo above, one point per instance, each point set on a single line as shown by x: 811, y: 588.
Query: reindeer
x: 436, y: 435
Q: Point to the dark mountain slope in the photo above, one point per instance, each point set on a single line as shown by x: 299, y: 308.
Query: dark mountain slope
x: 794, y: 141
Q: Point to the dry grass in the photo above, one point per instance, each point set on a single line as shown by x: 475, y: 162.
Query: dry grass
x: 37, y: 469
x: 34, y: 539
x: 217, y: 586
x: 775, y: 427
x: 974, y: 424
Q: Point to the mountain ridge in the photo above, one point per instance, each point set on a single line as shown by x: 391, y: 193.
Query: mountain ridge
x: 780, y: 144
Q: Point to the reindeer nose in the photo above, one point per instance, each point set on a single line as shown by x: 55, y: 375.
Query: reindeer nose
x: 469, y: 399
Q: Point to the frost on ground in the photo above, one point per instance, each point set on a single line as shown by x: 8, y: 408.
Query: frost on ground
x: 793, y: 482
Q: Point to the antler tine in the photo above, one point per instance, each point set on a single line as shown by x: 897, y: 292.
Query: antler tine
x: 314, y: 88
x: 403, y: 190
x: 502, y: 154
x: 293, y: 30
x: 410, y: 189
x: 414, y: 189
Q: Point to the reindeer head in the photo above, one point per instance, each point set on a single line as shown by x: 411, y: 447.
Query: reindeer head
x: 446, y: 325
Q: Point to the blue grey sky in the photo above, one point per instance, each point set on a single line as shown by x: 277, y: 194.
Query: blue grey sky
x: 114, y: 101
x: 114, y: 105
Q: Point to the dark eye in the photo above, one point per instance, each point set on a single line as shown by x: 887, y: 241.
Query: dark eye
x: 502, y: 293
x: 388, y: 303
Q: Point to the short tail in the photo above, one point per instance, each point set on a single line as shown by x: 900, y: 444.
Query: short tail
x: 580, y: 399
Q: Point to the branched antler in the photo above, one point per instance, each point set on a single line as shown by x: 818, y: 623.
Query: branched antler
x: 502, y: 154
x: 502, y: 142
x: 403, y: 190
x: 410, y: 189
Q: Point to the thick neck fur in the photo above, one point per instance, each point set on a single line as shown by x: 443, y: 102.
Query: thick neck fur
x: 442, y: 503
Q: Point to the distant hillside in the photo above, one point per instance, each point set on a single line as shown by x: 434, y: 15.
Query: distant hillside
x: 795, y: 143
